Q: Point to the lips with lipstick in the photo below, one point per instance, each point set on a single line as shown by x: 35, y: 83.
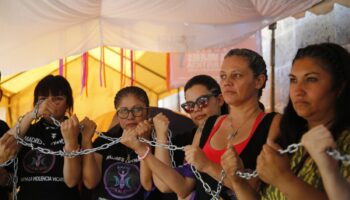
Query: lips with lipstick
x: 200, y: 117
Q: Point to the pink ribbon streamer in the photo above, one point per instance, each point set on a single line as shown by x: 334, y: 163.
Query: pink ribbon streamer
x: 132, y: 66
x: 84, y: 75
x: 60, y: 67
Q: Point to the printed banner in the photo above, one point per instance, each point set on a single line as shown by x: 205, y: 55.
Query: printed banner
x: 183, y: 66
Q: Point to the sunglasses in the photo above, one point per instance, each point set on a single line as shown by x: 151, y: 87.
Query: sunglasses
x: 124, y: 112
x: 201, y: 102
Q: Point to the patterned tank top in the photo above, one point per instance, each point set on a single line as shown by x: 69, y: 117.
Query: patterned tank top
x: 308, y: 171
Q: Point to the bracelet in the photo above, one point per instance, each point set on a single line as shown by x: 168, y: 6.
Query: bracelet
x: 70, y: 152
x: 144, y: 155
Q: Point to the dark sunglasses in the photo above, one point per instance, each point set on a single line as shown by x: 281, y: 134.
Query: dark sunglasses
x: 124, y: 112
x: 201, y: 102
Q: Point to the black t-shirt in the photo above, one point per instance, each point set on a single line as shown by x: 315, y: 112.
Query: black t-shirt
x: 183, y: 130
x: 248, y: 155
x: 40, y: 176
x: 3, y: 128
x: 120, y: 173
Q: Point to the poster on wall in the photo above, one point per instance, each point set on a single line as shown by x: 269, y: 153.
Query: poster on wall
x: 183, y: 66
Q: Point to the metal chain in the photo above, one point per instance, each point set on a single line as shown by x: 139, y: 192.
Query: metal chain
x: 290, y: 149
x: 171, y: 152
x: 15, y: 179
x: 153, y: 143
x: 7, y: 163
x: 337, y: 156
x: 68, y: 154
x: 214, y: 194
x: 15, y: 163
x: 61, y: 152
x: 247, y: 175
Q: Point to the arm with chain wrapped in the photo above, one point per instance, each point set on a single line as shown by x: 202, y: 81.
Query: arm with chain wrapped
x: 72, y: 165
x: 44, y: 108
x: 317, y: 142
x: 159, y: 134
x: 130, y: 139
x: 166, y: 178
x: 92, y: 162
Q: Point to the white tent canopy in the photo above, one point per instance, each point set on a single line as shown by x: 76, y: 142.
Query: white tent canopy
x: 36, y: 32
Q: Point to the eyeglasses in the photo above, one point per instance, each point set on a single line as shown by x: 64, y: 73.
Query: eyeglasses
x: 123, y: 112
x: 201, y: 102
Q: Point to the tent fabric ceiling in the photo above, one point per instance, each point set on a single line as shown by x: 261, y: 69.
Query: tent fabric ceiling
x: 36, y: 32
x: 150, y: 72
x: 323, y: 7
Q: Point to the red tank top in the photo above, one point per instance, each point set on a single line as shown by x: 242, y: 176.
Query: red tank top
x: 214, y: 154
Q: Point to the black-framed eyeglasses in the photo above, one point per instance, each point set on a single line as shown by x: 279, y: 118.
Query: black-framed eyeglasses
x: 201, y: 102
x: 123, y: 112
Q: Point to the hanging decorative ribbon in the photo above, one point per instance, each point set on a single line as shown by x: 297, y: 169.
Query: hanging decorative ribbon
x: 102, y: 67
x: 85, y: 73
x: 65, y: 67
x: 60, y: 67
x: 168, y: 71
x: 122, y: 82
x: 132, y: 67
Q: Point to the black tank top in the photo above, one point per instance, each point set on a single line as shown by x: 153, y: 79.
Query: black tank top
x: 248, y: 155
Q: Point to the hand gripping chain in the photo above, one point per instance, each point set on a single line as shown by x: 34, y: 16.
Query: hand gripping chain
x: 215, y: 194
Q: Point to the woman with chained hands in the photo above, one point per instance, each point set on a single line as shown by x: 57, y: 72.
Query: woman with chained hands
x: 319, y: 94
x: 243, y: 75
x: 244, y: 130
x: 204, y: 99
x: 119, y: 171
x: 45, y: 176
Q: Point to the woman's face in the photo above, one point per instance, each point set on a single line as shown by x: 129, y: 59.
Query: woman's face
x: 237, y: 81
x: 197, y: 93
x: 311, y: 91
x: 130, y: 111
x: 60, y: 105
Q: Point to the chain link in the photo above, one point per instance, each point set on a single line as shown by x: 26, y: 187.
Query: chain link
x: 337, y: 156
x: 171, y: 152
x: 7, y: 163
x: 247, y: 175
x: 290, y: 149
x: 153, y: 143
x: 214, y: 194
x: 15, y: 179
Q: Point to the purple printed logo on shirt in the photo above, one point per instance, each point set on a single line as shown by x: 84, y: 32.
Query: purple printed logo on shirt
x: 122, y: 180
x: 36, y: 162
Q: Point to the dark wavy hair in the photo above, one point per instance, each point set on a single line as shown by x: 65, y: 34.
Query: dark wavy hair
x: 54, y: 85
x: 211, y: 85
x: 336, y: 61
x: 256, y: 63
x: 136, y: 91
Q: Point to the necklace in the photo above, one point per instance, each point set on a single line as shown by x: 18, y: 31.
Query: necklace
x: 233, y: 135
